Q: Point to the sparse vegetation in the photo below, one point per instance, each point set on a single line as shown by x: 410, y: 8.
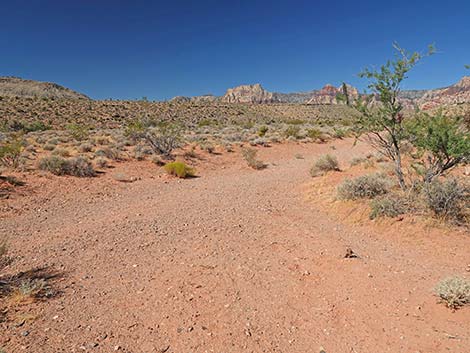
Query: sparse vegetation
x: 250, y: 156
x: 324, y: 164
x: 78, y: 132
x: 454, y: 291
x: 78, y: 166
x: 391, y: 205
x: 10, y: 153
x: 363, y: 187
x: 179, y: 169
x: 447, y: 199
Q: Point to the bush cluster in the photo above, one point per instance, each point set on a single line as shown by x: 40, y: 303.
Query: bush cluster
x: 78, y: 166
x: 363, y: 187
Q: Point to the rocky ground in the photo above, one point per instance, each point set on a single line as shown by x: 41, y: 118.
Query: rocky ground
x: 234, y: 260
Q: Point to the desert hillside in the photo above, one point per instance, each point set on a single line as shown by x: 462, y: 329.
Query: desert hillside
x: 18, y: 87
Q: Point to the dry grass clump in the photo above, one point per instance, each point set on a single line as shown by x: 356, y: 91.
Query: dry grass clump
x: 363, y: 187
x: 78, y: 166
x: 63, y: 152
x: 3, y: 252
x: 324, y: 164
x: 179, y: 169
x: 454, y: 291
x: 249, y: 155
x: 28, y: 291
x: 447, y: 199
x: 101, y: 162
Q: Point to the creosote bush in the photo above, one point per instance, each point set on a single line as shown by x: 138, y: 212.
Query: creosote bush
x: 324, y: 164
x: 78, y: 166
x: 391, y: 205
x: 454, y: 291
x: 249, y: 155
x: 363, y: 187
x: 447, y: 199
x: 179, y: 169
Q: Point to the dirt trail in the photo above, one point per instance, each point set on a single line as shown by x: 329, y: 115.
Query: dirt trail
x: 236, y: 260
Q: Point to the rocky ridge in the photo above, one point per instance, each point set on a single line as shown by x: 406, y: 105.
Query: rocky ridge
x: 18, y: 87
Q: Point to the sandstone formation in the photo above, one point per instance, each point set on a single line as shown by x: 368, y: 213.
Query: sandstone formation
x: 248, y: 94
x: 329, y: 93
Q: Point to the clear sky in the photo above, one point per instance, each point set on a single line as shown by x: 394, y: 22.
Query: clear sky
x: 160, y: 49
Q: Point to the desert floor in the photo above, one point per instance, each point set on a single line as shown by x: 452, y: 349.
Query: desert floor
x: 234, y: 260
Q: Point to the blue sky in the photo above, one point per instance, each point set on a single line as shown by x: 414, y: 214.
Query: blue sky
x: 160, y: 49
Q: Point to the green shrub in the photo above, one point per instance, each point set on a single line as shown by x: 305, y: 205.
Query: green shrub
x: 447, y: 199
x: 388, y: 206
x: 316, y: 134
x: 292, y: 131
x: 249, y: 155
x: 179, y: 169
x: 10, y: 153
x: 78, y: 131
x: 442, y: 141
x: 365, y: 186
x: 262, y: 131
x: 324, y: 164
x: 454, y: 291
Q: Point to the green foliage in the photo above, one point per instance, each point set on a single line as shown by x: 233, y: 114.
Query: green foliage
x: 382, y: 123
x: 363, y: 187
x: 78, y: 132
x: 324, y: 164
x: 179, y: 169
x: 25, y: 127
x: 10, y: 152
x: 262, y: 131
x: 315, y: 134
x: 292, y: 131
x: 442, y: 143
x: 162, y: 138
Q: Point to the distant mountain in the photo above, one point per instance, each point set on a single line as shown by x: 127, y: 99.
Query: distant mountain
x: 18, y: 87
x: 248, y: 94
x: 455, y: 94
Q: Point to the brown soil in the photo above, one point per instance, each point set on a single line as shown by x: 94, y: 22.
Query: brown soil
x: 236, y: 260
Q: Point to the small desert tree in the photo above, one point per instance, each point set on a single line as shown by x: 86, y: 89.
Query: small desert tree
x: 442, y: 142
x: 381, y: 119
x: 162, y: 137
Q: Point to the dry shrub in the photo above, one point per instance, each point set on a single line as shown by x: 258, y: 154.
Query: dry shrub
x: 324, y: 164
x: 179, y: 169
x: 391, y: 205
x: 249, y: 154
x: 363, y: 187
x: 454, y: 291
x: 101, y: 162
x: 78, y: 166
x: 447, y: 199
